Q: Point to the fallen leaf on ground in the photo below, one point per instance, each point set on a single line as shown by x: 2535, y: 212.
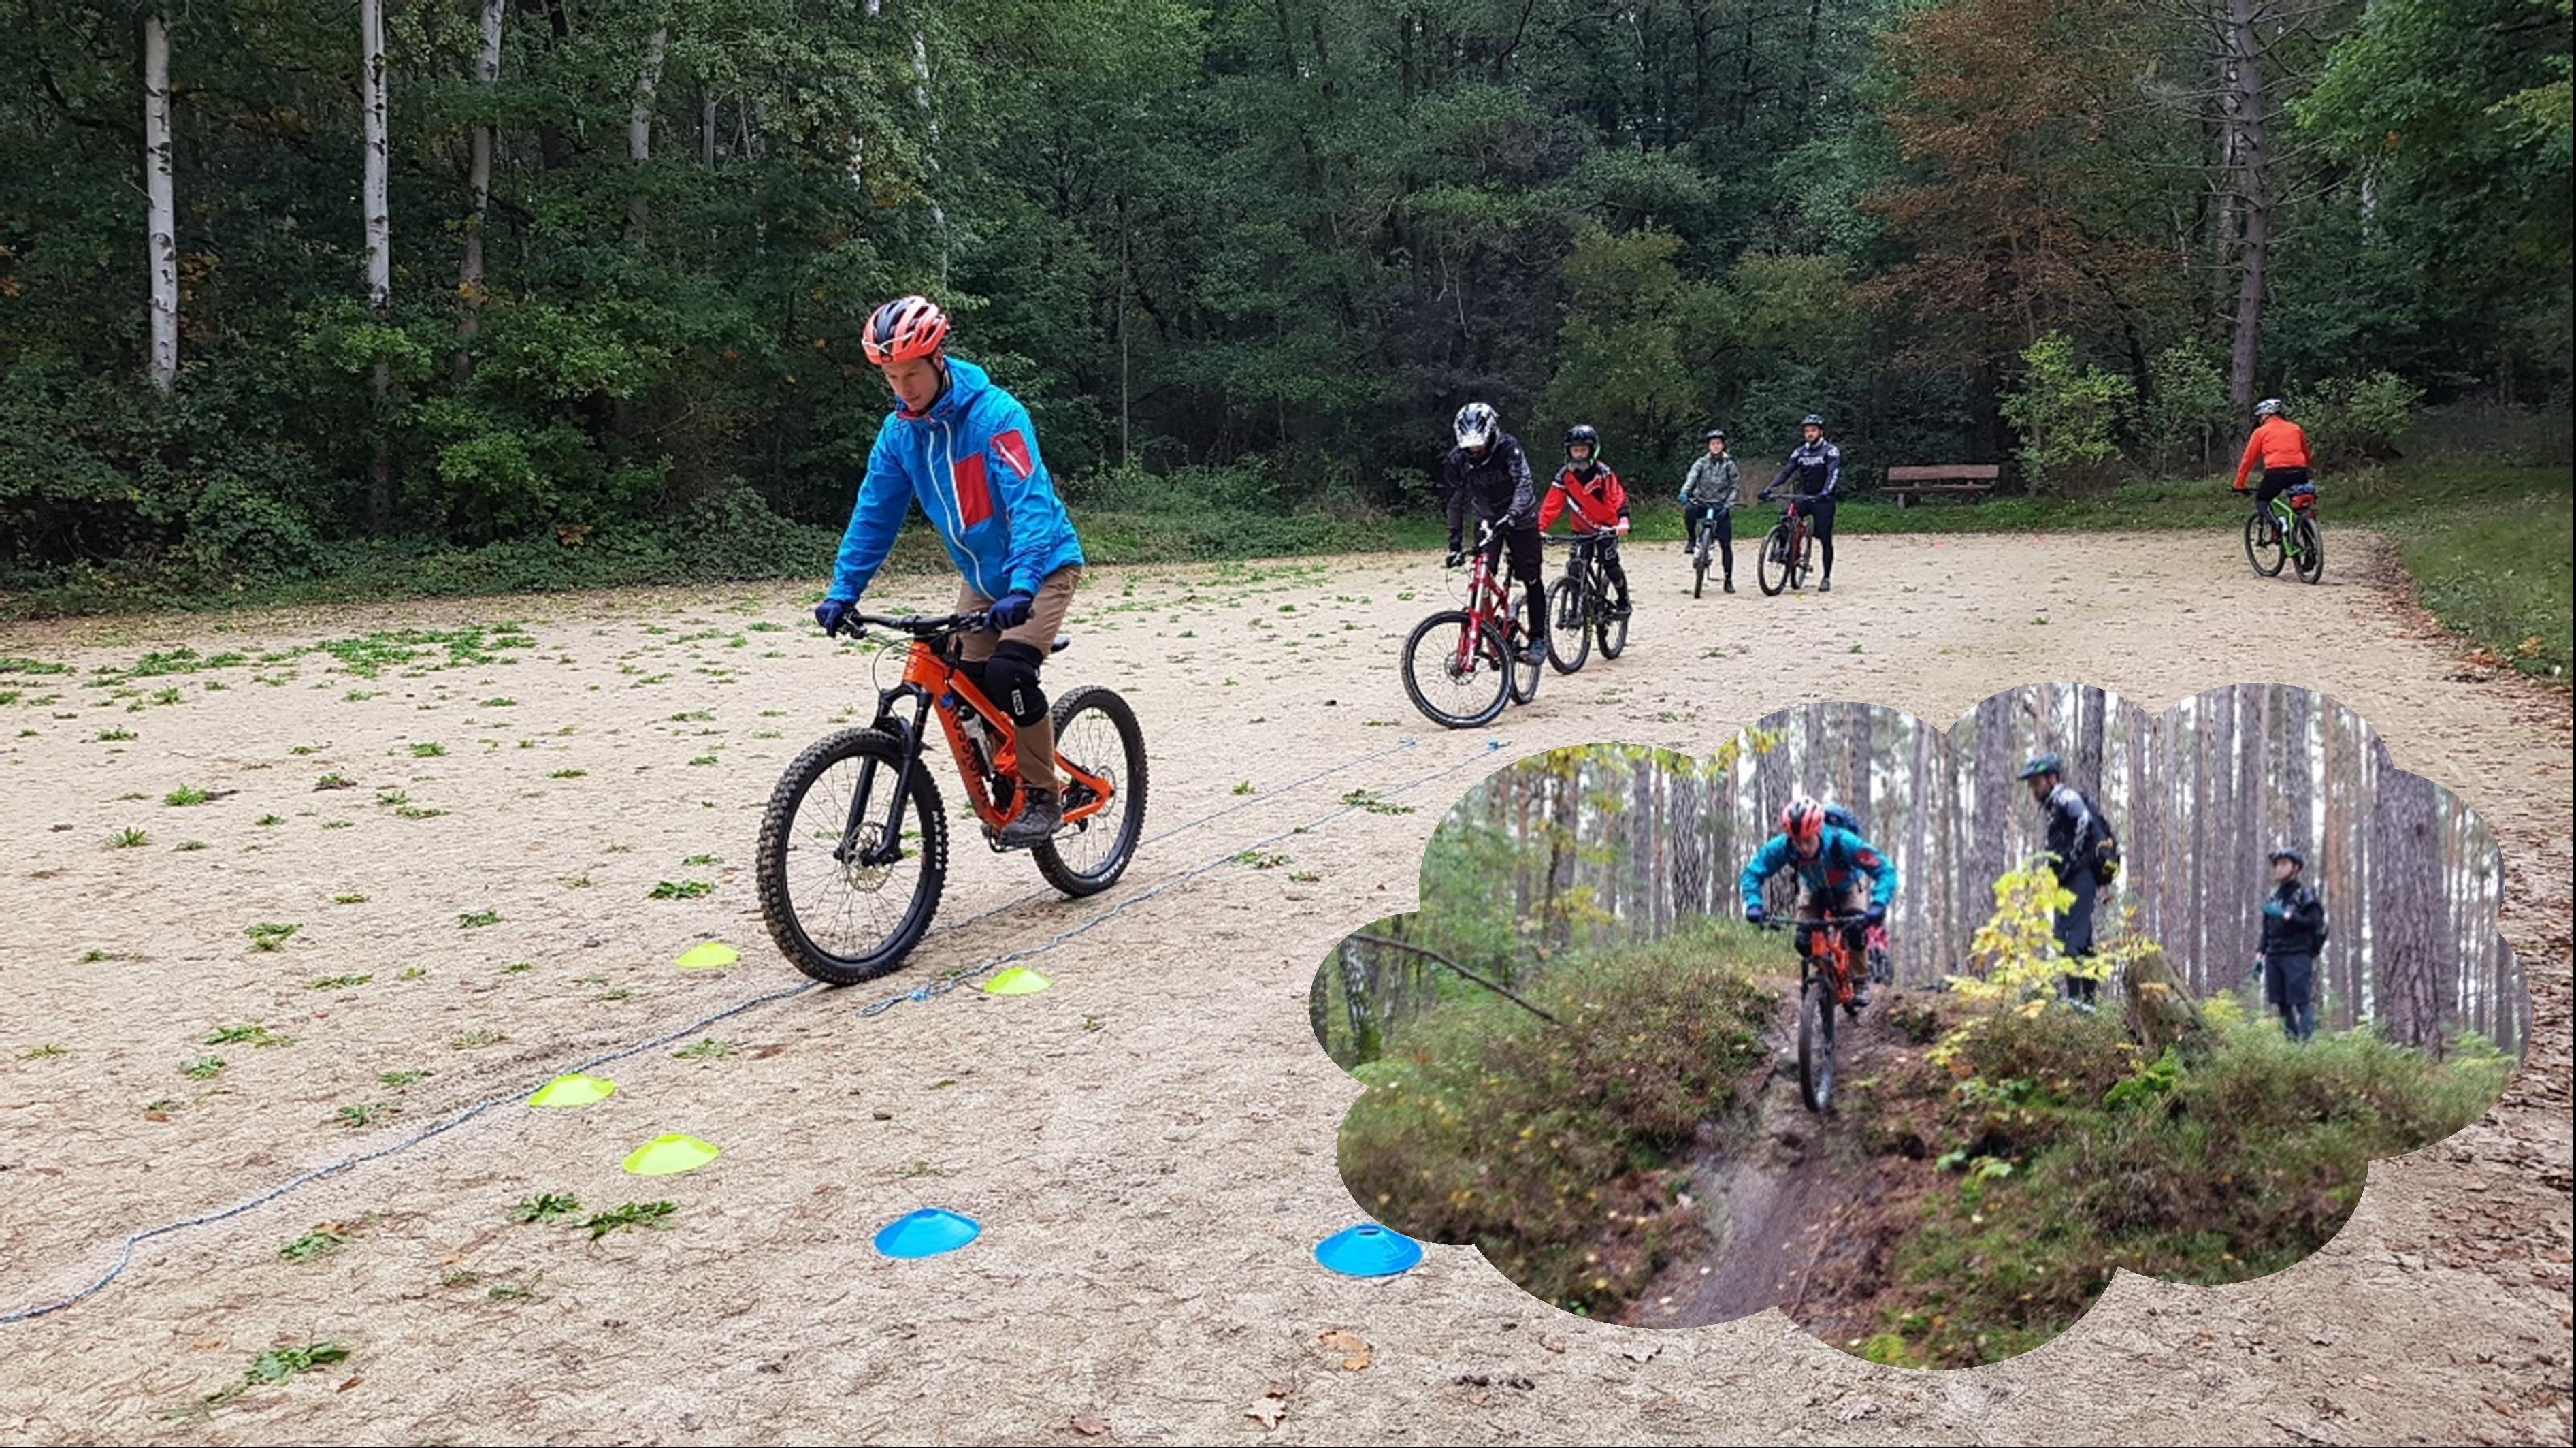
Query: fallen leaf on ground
x: 1089, y: 1423
x: 1356, y: 1353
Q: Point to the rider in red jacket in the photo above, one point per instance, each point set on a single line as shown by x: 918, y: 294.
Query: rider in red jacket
x: 1587, y: 487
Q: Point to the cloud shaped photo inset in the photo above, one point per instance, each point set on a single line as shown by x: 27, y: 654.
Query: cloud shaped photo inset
x: 1582, y: 1061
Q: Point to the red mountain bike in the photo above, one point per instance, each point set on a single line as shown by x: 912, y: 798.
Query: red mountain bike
x: 1462, y: 665
x: 1788, y: 552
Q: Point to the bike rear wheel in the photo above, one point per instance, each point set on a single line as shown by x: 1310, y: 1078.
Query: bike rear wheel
x: 842, y: 921
x: 2312, y: 552
x: 1816, y: 1045
x: 1448, y: 695
x: 1569, y: 634
x: 1772, y: 570
x: 1097, y: 730
x: 2263, y: 547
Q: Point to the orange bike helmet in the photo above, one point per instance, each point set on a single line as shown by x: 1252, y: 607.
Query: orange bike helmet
x: 1803, y: 821
x: 903, y: 329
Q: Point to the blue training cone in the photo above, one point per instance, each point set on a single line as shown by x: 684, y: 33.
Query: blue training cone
x: 1368, y: 1250
x: 927, y: 1233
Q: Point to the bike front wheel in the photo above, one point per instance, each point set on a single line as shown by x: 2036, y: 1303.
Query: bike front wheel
x: 1451, y: 693
x: 1097, y: 731
x: 1773, y: 570
x: 2263, y: 546
x: 1699, y: 571
x: 837, y: 917
x: 2312, y: 552
x: 1816, y: 1045
x: 1525, y: 670
x: 1569, y: 635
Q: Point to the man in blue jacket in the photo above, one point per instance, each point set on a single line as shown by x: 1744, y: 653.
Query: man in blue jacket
x: 1829, y: 862
x: 966, y: 451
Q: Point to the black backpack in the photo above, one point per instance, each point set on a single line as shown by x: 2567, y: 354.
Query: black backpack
x: 2104, y: 846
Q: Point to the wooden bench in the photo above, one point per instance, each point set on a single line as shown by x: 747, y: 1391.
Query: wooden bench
x: 1971, y: 480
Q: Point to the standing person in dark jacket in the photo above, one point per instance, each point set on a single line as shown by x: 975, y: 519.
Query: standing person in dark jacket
x: 1488, y: 475
x: 2076, y: 831
x: 2294, y: 926
x: 1818, y: 467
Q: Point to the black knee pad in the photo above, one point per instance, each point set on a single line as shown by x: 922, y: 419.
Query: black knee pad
x: 1011, y: 680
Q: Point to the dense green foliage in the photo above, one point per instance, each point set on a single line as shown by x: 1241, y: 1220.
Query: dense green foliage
x: 1274, y: 244
x: 1558, y: 1149
x: 2063, y: 1156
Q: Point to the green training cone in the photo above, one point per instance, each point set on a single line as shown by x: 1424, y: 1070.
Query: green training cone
x: 1018, y: 980
x: 669, y: 1155
x: 708, y: 956
x: 573, y: 1090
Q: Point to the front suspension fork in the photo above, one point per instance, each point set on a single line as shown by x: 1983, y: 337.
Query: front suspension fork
x: 889, y: 842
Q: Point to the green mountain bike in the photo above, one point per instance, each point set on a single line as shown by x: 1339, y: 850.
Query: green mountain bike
x: 2283, y: 533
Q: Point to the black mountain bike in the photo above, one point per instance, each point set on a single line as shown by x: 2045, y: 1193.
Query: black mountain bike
x: 1707, y: 545
x: 1578, y: 606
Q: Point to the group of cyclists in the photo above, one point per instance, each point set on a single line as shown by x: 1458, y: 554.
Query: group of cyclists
x: 965, y: 450
x: 1487, y: 476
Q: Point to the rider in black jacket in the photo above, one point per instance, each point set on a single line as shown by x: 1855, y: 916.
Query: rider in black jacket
x: 2294, y: 927
x: 1488, y: 475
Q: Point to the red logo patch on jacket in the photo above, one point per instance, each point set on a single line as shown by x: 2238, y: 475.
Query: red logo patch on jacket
x: 1015, y: 451
x: 974, y: 498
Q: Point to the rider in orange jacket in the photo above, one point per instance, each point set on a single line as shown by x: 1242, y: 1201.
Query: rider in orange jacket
x: 1588, y: 487
x: 2281, y: 447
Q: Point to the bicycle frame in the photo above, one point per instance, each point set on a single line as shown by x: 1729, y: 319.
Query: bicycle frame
x: 931, y: 680
x: 1829, y: 955
x: 1488, y: 599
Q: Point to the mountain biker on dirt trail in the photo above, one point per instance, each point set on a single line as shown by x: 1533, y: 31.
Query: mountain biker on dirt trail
x: 1487, y: 473
x: 2294, y: 926
x: 2076, y: 831
x: 1587, y: 487
x: 2281, y: 446
x: 968, y: 453
x: 1829, y: 862
x: 1818, y: 465
x: 1708, y: 500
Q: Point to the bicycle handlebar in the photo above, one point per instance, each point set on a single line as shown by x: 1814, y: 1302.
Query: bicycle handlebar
x: 1823, y: 920
x: 922, y: 626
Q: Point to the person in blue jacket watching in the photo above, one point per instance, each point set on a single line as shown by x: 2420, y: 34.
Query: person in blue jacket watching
x: 1829, y: 862
x: 1818, y: 466
x: 965, y: 450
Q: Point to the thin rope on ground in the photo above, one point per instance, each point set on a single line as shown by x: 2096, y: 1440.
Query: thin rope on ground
x: 132, y: 1240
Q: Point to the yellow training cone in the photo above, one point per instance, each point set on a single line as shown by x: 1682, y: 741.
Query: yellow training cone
x: 1018, y: 980
x: 708, y: 956
x: 573, y: 1090
x: 669, y: 1155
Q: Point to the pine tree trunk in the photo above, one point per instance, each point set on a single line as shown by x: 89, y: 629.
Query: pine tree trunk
x: 478, y: 185
x: 2244, y: 98
x: 2405, y: 900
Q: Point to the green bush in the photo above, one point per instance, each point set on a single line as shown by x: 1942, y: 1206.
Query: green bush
x: 2188, y: 411
x: 2069, y: 417
x: 2350, y: 418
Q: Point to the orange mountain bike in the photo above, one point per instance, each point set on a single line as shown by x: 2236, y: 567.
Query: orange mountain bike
x: 1827, y: 977
x: 853, y: 849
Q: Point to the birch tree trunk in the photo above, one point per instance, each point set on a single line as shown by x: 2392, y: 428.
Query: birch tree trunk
x: 161, y: 237
x: 478, y: 183
x: 639, y: 125
x: 380, y: 242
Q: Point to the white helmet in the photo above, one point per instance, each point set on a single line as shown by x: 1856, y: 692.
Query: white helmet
x: 2268, y: 407
x: 1476, y: 425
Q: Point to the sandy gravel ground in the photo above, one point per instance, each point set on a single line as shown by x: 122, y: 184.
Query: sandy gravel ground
x: 1150, y: 1142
